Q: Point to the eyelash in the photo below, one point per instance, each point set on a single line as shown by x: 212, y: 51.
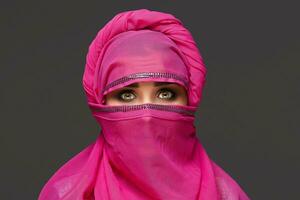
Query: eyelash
x: 173, y: 96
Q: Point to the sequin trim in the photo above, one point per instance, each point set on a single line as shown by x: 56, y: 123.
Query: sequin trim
x: 127, y: 108
x: 146, y: 75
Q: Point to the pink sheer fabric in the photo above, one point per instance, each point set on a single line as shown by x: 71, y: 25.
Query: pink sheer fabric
x: 146, y: 151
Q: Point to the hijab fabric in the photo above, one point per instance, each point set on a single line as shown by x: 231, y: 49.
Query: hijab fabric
x: 146, y: 151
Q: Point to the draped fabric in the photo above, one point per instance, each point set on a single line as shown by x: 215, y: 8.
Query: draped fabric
x: 146, y: 151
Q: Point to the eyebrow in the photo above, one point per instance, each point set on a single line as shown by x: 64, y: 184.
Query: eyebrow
x: 136, y: 85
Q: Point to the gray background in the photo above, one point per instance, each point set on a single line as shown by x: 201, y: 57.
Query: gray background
x: 246, y: 121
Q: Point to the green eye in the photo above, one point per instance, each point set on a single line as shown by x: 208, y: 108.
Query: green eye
x: 166, y: 94
x: 126, y: 96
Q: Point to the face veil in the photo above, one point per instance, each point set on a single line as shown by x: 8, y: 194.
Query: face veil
x: 145, y: 151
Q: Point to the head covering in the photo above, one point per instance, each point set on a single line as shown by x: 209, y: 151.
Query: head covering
x: 146, y: 151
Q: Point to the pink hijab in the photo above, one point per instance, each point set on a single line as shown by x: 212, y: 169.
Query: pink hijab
x: 146, y: 151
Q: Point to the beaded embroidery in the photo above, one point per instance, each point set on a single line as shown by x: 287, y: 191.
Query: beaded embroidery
x: 146, y: 75
x: 126, y: 108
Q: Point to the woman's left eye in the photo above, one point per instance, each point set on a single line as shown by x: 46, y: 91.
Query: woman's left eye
x: 166, y: 94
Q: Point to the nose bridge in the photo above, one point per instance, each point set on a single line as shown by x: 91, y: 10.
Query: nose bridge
x: 146, y: 94
x: 146, y: 98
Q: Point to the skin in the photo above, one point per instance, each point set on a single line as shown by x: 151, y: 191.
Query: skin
x: 148, y: 92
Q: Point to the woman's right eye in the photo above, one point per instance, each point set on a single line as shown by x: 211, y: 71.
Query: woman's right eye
x: 126, y: 95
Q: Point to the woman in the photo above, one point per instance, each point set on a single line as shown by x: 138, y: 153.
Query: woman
x: 143, y: 80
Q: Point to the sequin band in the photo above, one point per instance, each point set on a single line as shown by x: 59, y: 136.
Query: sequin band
x: 126, y: 108
x: 146, y: 75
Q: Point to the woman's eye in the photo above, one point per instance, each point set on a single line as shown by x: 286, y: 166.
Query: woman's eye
x: 166, y: 94
x: 126, y: 96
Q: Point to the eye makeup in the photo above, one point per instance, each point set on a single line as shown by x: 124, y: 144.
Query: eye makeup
x: 173, y: 94
x: 124, y: 91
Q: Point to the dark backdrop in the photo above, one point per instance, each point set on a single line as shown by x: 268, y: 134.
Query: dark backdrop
x: 247, y: 120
